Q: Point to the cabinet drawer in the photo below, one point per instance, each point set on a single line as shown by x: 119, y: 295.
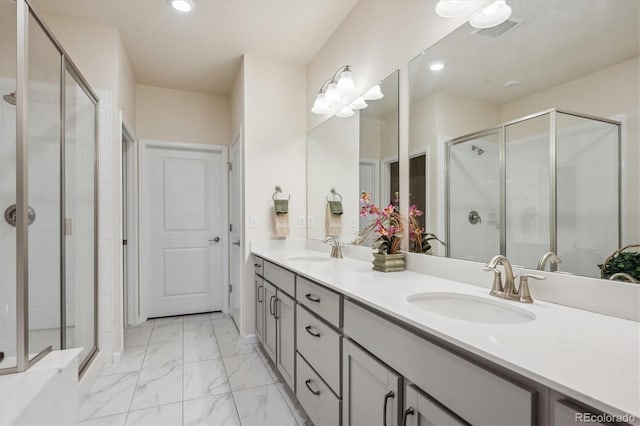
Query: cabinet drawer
x: 320, y: 300
x: 280, y: 277
x: 566, y: 413
x: 258, y: 265
x: 315, y: 396
x: 477, y: 395
x: 320, y: 345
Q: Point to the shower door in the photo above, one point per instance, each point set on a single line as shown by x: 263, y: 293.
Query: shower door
x: 473, y: 196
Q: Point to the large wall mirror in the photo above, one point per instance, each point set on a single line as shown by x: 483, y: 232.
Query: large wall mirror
x: 350, y: 155
x: 525, y: 137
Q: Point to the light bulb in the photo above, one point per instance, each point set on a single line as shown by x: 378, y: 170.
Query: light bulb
x: 436, y: 66
x: 494, y: 14
x: 320, y: 106
x: 358, y: 103
x: 455, y: 8
x: 345, y: 84
x: 183, y: 6
x: 345, y: 112
x: 373, y: 94
x: 331, y: 96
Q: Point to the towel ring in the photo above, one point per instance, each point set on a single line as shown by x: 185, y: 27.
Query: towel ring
x: 278, y: 190
x: 335, y: 194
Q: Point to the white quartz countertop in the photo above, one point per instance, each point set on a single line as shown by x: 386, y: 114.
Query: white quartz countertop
x: 591, y: 357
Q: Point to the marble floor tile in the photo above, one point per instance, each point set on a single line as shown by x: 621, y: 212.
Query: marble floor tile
x: 246, y: 371
x: 147, y: 323
x: 137, y: 336
x: 263, y: 405
x: 163, y: 355
x: 117, y: 420
x: 201, y: 350
x: 109, y: 395
x: 233, y: 345
x: 167, y: 333
x: 130, y: 361
x: 158, y: 386
x: 197, y: 330
x: 218, y: 315
x: 204, y: 378
x: 225, y: 326
x: 197, y: 317
x: 169, y: 415
x: 294, y: 406
x: 217, y: 410
x: 168, y: 320
x: 271, y: 368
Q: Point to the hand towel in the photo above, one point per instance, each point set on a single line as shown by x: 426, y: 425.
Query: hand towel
x: 281, y: 206
x: 281, y: 217
x: 333, y: 222
x: 335, y: 207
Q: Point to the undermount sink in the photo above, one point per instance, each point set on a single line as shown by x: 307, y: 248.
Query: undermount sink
x: 470, y: 308
x: 311, y: 258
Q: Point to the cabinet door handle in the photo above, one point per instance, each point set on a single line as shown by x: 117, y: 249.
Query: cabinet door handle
x: 257, y: 265
x: 260, y: 287
x: 389, y: 395
x: 276, y: 308
x: 311, y: 298
x: 308, y: 328
x: 271, y: 305
x: 408, y: 412
x: 308, y: 382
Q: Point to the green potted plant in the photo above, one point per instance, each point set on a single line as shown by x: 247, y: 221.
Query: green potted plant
x: 622, y: 264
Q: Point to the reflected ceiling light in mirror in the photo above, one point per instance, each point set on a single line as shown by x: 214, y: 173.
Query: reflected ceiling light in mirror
x: 320, y: 106
x: 494, y: 14
x: 455, y: 8
x: 358, y: 103
x: 345, y: 112
x: 436, y: 66
x: 373, y: 94
x: 183, y: 6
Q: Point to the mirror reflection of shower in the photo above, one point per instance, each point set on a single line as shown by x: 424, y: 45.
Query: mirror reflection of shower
x: 10, y: 98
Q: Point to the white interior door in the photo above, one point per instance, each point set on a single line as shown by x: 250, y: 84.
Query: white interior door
x: 182, y: 228
x: 235, y: 234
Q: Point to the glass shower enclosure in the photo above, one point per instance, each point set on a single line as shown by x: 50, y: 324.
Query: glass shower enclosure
x: 546, y: 182
x: 48, y: 196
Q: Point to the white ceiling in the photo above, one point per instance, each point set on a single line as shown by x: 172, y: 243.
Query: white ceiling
x: 201, y: 51
x: 558, y: 41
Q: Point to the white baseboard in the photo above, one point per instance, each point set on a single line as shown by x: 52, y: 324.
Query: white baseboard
x: 250, y: 339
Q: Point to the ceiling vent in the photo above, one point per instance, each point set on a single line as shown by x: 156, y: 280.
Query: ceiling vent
x: 499, y: 30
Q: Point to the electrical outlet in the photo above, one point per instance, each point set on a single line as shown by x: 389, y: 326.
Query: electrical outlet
x: 302, y: 223
x: 253, y: 221
x: 310, y: 222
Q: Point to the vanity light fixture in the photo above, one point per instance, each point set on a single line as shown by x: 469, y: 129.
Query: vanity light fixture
x: 455, y: 8
x: 436, y: 66
x: 345, y: 111
x: 494, y: 14
x: 333, y: 93
x: 358, y: 103
x: 373, y: 94
x: 183, y: 6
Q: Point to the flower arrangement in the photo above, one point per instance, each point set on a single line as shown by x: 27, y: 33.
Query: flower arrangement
x: 388, y: 228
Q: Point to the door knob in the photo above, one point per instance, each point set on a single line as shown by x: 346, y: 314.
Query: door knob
x: 215, y: 240
x: 237, y: 243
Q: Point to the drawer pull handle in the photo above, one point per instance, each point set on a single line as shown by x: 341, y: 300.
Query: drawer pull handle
x: 260, y: 287
x: 271, y: 305
x: 257, y: 265
x: 311, y: 298
x: 389, y: 395
x: 308, y: 328
x: 308, y: 382
x: 408, y: 412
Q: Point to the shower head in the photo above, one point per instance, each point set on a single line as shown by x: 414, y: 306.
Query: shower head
x: 479, y: 150
x: 10, y: 98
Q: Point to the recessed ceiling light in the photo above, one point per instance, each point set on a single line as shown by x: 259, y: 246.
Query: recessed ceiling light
x: 512, y: 83
x: 183, y: 6
x: 436, y: 66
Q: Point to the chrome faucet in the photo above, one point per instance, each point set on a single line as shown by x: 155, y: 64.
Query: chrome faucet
x: 548, y: 257
x: 509, y: 290
x: 336, y: 248
x: 624, y: 277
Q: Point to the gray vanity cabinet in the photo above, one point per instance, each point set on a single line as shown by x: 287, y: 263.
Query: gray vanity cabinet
x: 269, y: 340
x: 259, y: 288
x: 421, y: 410
x: 286, y: 351
x: 371, y: 390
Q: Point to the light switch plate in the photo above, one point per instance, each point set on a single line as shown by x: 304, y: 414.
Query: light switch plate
x: 253, y: 221
x: 352, y: 222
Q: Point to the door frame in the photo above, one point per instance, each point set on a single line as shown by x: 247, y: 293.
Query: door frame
x: 130, y: 206
x: 240, y: 290
x: 144, y: 146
